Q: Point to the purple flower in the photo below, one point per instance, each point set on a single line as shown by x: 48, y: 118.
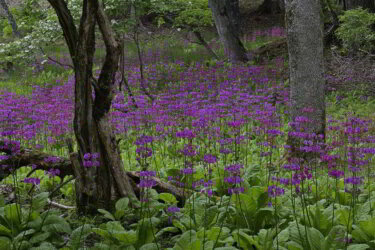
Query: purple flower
x: 336, y: 173
x: 187, y: 171
x: 274, y: 191
x: 355, y: 180
x: 143, y: 139
x: 34, y: 181
x: 147, y: 183
x: 87, y: 164
x: 237, y: 190
x: 173, y: 209
x: 147, y: 173
x: 53, y: 172
x: 87, y: 156
x: 208, y: 158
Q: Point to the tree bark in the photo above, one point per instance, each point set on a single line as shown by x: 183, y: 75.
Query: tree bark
x: 306, y: 69
x: 226, y: 16
x: 10, y: 17
x: 96, y: 185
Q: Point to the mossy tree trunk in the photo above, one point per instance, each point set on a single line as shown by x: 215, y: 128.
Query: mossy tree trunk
x: 226, y: 15
x: 305, y: 48
x: 97, y: 185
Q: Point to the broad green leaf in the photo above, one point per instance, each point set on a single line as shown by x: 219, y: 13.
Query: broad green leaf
x: 122, y: 204
x: 358, y: 247
x: 213, y: 233
x: 168, y: 198
x: 165, y: 230
x: 225, y: 248
x: 44, y: 246
x: 106, y: 214
x: 185, y: 240
x: 4, y: 231
x: 40, y: 237
x: 145, y: 232
x: 79, y: 235
x: 39, y: 201
x: 56, y: 224
x: 368, y: 227
x: 12, y: 213
x: 315, y: 238
x: 5, y: 243
x: 150, y: 246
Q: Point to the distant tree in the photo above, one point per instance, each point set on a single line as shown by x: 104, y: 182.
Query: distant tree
x: 226, y: 15
x: 10, y: 17
x: 305, y: 48
x: 365, y: 4
x: 95, y: 185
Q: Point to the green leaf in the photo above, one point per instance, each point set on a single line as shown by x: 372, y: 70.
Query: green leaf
x: 44, y: 246
x: 4, y: 231
x: 56, y: 224
x: 315, y: 238
x: 12, y: 214
x: 150, y: 246
x: 122, y: 204
x: 106, y: 214
x: 213, y: 233
x: 368, y: 227
x: 39, y: 201
x: 226, y: 248
x: 5, y: 243
x: 358, y: 247
x: 79, y: 235
x: 168, y: 198
x: 145, y: 232
x: 40, y: 237
x: 165, y: 230
x: 185, y: 240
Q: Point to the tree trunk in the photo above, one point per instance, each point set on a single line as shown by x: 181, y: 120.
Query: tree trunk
x: 96, y: 185
x: 10, y: 17
x: 306, y: 69
x: 226, y: 16
x: 272, y: 7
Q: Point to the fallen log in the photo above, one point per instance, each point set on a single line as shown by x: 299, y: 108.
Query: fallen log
x: 46, y: 162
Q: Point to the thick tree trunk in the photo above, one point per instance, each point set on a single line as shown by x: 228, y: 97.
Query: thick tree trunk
x: 272, y: 7
x: 305, y: 48
x: 10, y: 17
x: 96, y: 185
x: 226, y: 16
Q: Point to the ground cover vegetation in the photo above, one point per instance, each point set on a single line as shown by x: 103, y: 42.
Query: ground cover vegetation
x: 204, y: 141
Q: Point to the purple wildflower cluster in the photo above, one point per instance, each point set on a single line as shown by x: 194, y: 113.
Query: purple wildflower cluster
x: 91, y: 160
x: 34, y: 181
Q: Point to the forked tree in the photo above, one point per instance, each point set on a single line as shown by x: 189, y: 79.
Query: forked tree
x: 96, y: 186
x: 226, y: 15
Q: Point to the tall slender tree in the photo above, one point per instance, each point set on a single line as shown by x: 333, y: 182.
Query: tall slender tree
x: 305, y: 48
x: 95, y: 185
x: 226, y: 15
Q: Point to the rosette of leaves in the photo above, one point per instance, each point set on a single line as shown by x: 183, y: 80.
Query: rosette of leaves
x: 29, y: 228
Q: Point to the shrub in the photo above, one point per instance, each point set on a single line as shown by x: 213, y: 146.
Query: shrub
x: 356, y: 31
